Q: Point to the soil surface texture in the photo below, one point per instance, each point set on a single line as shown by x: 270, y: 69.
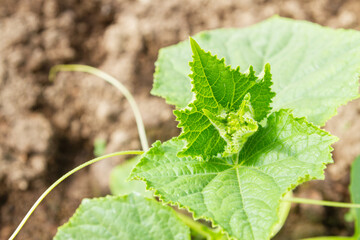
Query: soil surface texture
x: 48, y: 128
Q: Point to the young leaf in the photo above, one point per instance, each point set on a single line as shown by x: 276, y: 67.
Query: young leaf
x: 123, y: 217
x: 241, y: 195
x: 235, y: 128
x: 315, y: 69
x: 355, y: 192
x: 220, y: 118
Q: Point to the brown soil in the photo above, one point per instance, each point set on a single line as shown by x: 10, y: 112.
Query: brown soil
x: 48, y: 128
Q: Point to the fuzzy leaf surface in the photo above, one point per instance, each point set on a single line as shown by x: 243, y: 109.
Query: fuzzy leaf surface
x: 315, y: 69
x: 212, y: 123
x: 241, y: 195
x: 123, y: 217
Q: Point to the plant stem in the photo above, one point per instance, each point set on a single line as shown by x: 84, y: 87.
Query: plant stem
x: 36, y: 204
x: 200, y: 228
x: 322, y: 203
x: 113, y: 81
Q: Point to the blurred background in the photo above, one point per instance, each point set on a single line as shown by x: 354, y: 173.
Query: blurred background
x: 47, y: 128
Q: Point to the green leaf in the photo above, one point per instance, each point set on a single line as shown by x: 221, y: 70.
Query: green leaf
x: 355, y: 192
x: 241, y: 195
x: 99, y: 147
x: 123, y: 217
x: 221, y: 117
x: 315, y: 69
x: 118, y: 180
x: 350, y: 216
x: 235, y: 128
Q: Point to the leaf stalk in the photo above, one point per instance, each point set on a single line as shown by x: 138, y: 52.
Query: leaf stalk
x: 113, y: 81
x: 321, y: 202
x: 201, y: 229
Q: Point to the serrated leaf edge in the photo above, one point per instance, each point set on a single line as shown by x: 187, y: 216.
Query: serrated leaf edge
x: 250, y: 73
x: 273, y: 18
x: 78, y: 211
x: 299, y: 181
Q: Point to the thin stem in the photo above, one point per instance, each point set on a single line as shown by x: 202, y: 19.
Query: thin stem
x: 201, y: 229
x: 36, y: 204
x: 322, y: 203
x: 113, y: 81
